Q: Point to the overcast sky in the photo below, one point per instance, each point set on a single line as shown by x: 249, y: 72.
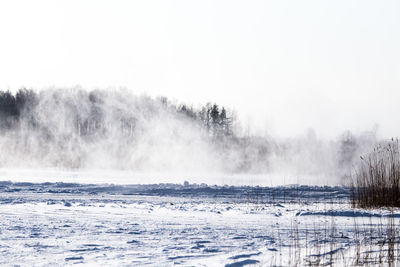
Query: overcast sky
x: 283, y: 65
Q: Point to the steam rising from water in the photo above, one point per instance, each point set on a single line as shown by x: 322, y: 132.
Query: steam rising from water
x: 118, y: 134
x: 106, y: 130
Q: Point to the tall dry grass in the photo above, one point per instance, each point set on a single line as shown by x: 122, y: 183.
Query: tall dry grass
x: 376, y: 180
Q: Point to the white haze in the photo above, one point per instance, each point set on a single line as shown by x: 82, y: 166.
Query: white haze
x: 117, y: 137
x: 160, y: 142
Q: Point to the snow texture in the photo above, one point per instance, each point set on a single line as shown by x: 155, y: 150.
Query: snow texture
x: 171, y: 224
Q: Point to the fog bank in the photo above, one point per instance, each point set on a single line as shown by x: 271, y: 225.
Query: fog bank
x: 72, y: 131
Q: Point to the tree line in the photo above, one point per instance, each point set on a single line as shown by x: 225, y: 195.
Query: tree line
x: 23, y: 105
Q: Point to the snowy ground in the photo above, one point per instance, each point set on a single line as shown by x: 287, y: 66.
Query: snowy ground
x: 192, y: 225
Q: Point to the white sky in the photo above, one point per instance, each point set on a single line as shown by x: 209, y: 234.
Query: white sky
x: 284, y: 65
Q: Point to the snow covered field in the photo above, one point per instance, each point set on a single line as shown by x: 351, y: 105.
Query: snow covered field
x: 191, y: 225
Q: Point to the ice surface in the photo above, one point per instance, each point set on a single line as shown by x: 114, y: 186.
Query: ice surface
x: 168, y: 224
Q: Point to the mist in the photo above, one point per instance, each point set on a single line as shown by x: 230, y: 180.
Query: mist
x: 113, y: 136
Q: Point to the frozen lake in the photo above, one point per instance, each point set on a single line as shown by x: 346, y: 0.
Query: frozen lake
x: 192, y: 225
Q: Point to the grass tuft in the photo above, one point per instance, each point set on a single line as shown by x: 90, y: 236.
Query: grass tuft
x: 376, y: 180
